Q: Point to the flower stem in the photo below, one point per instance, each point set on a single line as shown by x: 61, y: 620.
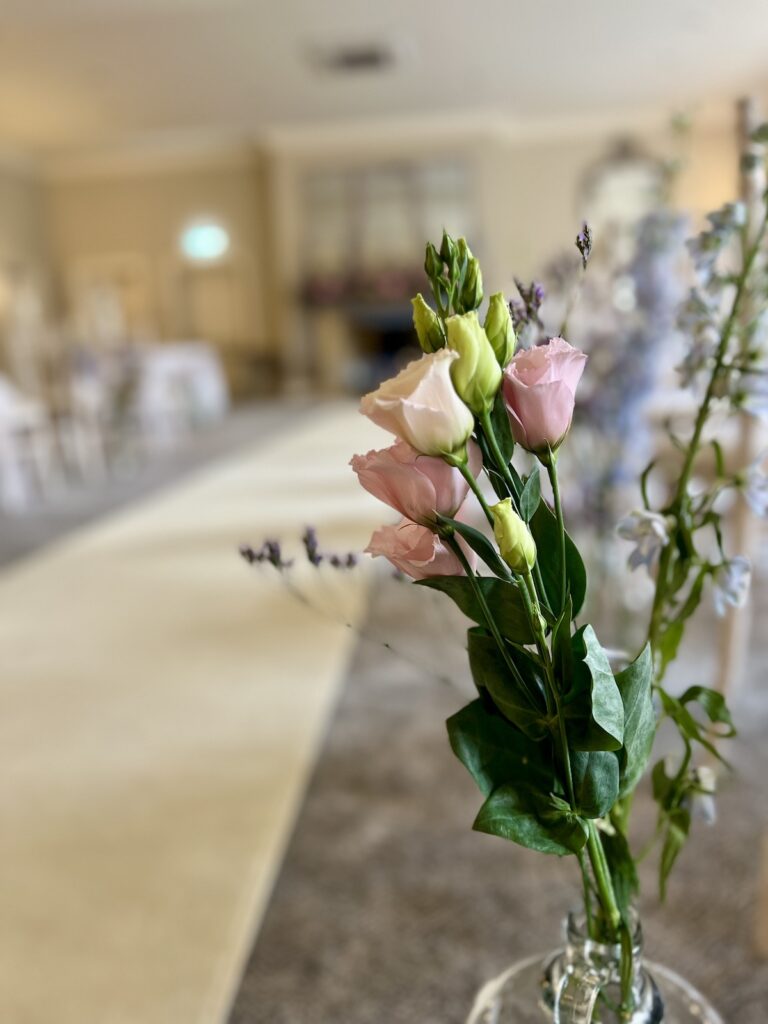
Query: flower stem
x: 465, y: 471
x: 503, y: 467
x: 488, y: 615
x: 551, y: 464
x: 498, y: 456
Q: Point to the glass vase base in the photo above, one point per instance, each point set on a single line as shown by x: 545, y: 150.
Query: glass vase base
x: 520, y: 996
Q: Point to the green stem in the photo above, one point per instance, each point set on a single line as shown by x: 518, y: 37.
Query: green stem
x: 488, y: 615
x: 465, y: 471
x: 551, y: 464
x: 503, y: 467
x: 501, y: 463
x: 602, y: 876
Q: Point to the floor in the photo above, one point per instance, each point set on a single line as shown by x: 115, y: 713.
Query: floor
x: 389, y: 908
x: 160, y: 721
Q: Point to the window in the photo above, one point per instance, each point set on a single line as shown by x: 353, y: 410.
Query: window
x: 204, y: 241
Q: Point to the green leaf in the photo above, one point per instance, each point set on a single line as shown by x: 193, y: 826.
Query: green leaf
x: 562, y: 651
x: 714, y: 707
x: 594, y: 703
x: 595, y: 781
x: 531, y: 495
x: 687, y: 725
x: 667, y: 645
x: 623, y: 872
x: 662, y: 784
x: 635, y: 684
x: 480, y: 544
x: 760, y: 134
x: 531, y: 819
x: 496, y: 753
x: 503, y: 599
x: 678, y: 826
x: 524, y: 708
x: 545, y: 532
x: 501, y: 428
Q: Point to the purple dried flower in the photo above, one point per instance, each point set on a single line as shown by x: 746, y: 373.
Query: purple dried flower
x: 311, y: 546
x: 584, y: 244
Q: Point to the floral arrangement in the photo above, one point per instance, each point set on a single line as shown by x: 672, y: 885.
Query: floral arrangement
x: 558, y: 737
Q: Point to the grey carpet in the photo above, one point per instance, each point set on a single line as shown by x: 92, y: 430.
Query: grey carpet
x: 390, y: 910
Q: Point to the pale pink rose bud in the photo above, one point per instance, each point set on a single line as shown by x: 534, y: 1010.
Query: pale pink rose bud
x: 421, y: 407
x: 417, y: 551
x: 540, y: 393
x: 417, y: 486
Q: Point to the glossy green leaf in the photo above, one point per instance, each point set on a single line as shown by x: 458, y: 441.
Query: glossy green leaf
x: 678, y: 824
x: 481, y: 545
x: 531, y: 495
x: 686, y: 723
x: 496, y: 753
x: 545, y: 532
x: 541, y: 823
x: 525, y: 708
x: 502, y: 429
x: 503, y: 599
x: 635, y: 684
x: 594, y: 703
x: 595, y: 781
x: 713, y: 705
x: 562, y: 650
x: 623, y: 871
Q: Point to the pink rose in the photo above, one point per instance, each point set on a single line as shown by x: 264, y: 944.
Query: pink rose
x: 417, y: 486
x: 416, y: 551
x: 540, y: 393
x: 421, y: 407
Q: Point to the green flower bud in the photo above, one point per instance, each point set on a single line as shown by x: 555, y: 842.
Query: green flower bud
x: 429, y: 330
x: 472, y: 289
x: 476, y: 374
x: 450, y: 254
x: 517, y: 546
x: 433, y: 265
x: 498, y: 327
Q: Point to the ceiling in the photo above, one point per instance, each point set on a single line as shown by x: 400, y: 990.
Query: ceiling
x: 79, y: 73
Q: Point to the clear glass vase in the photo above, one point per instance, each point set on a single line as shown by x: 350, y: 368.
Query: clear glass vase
x: 579, y: 984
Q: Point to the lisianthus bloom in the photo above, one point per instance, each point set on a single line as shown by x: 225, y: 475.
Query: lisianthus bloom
x: 732, y: 580
x: 417, y: 486
x: 417, y: 551
x: 476, y: 375
x: 517, y: 546
x: 650, y: 533
x: 420, y: 406
x: 540, y: 394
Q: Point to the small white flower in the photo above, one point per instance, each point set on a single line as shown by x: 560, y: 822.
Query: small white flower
x: 755, y: 486
x: 751, y: 393
x: 702, y: 800
x: 702, y: 349
x: 705, y: 779
x: 732, y: 580
x: 650, y: 533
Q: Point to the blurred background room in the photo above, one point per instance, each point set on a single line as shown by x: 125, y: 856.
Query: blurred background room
x: 212, y: 221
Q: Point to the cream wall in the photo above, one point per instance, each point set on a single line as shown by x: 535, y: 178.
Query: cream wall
x: 23, y: 229
x: 129, y: 221
x: 530, y: 192
x: 125, y: 219
x: 526, y: 194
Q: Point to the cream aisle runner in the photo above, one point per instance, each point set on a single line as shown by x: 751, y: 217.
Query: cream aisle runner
x: 161, y: 708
